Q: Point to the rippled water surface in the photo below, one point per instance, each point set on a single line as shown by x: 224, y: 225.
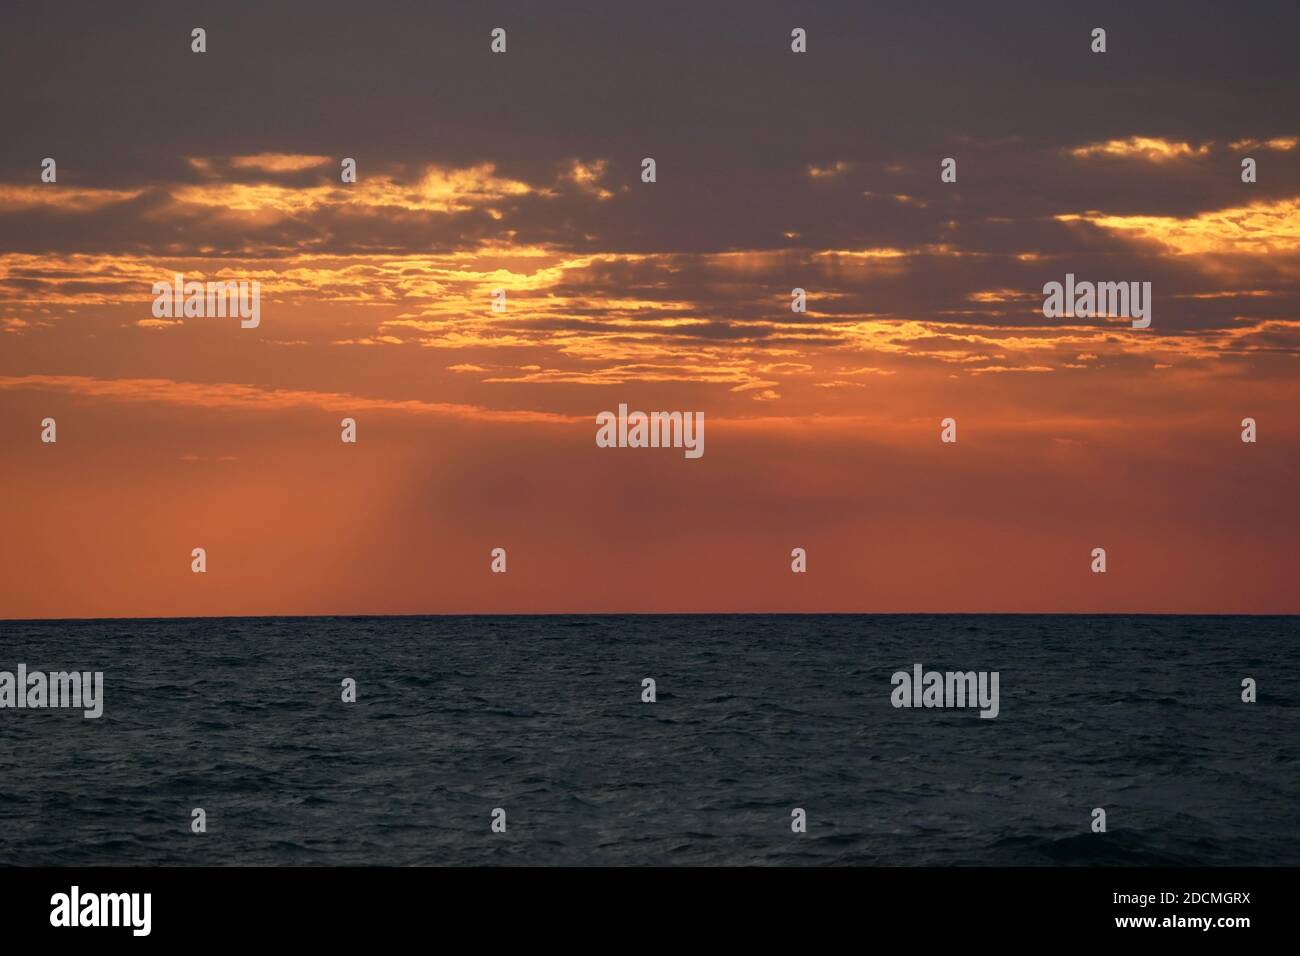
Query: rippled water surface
x: 755, y: 716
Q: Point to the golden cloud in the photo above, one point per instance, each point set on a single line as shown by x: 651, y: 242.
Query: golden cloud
x: 1259, y: 229
x: 278, y: 162
x: 258, y: 399
x: 1148, y: 148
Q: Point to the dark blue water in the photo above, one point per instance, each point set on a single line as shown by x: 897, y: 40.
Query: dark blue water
x: 542, y: 716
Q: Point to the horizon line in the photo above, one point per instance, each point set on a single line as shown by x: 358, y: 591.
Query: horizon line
x: 602, y: 614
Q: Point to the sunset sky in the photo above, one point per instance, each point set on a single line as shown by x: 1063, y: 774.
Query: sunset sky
x: 775, y: 170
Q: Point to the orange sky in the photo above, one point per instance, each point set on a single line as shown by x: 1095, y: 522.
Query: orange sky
x: 1115, y: 451
x: 476, y: 428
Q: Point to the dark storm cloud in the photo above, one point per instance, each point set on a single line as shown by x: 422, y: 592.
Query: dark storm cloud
x: 810, y: 158
x: 116, y: 90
